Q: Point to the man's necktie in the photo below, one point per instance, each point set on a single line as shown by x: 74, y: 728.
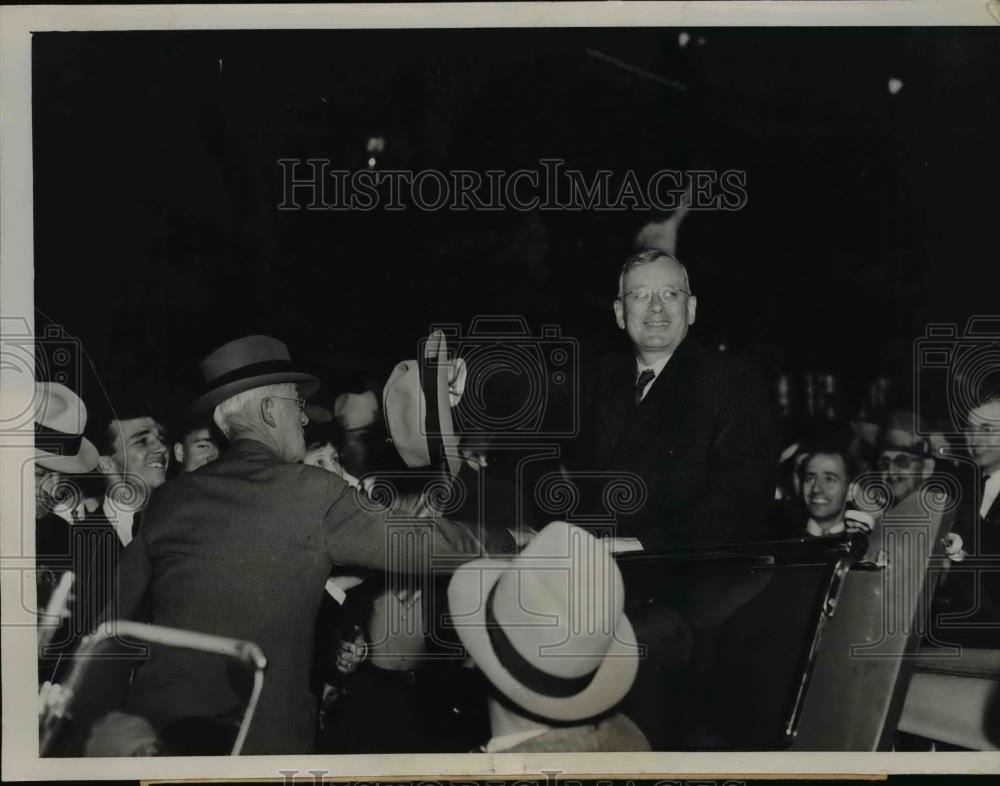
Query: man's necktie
x: 645, y: 377
x: 136, y: 523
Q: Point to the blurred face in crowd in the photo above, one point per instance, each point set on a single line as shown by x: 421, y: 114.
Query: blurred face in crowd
x: 140, y: 452
x: 983, y: 436
x: 903, y: 471
x: 286, y: 417
x: 654, y: 307
x: 824, y: 487
x: 324, y: 456
x: 46, y: 481
x: 196, y: 450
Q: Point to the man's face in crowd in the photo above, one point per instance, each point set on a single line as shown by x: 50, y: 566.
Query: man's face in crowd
x: 325, y: 457
x: 659, y: 324
x: 903, y: 472
x: 46, y: 481
x: 824, y: 487
x: 983, y: 436
x: 196, y: 450
x: 289, y: 422
x: 140, y: 450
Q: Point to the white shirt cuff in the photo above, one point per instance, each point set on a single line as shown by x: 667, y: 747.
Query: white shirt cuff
x: 335, y: 592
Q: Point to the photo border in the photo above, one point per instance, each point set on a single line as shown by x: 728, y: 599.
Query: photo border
x: 16, y: 300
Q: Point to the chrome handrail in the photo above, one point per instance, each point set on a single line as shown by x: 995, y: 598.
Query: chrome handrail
x: 244, y: 651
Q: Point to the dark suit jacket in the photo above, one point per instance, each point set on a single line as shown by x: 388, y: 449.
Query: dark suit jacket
x: 703, y: 441
x: 972, y: 588
x: 90, y: 549
x: 242, y: 548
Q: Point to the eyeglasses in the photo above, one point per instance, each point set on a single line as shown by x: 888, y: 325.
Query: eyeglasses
x: 300, y: 402
x: 900, y: 461
x: 666, y: 294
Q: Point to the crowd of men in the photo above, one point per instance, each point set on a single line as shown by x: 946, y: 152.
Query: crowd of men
x: 408, y: 621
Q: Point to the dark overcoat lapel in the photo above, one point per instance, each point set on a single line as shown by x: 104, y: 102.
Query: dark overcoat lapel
x: 665, y: 412
x: 701, y: 443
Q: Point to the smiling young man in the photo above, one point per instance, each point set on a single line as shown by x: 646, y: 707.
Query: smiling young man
x: 134, y: 460
x: 826, y: 476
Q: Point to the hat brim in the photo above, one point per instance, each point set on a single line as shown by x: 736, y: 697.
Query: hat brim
x: 308, y: 385
x: 470, y: 586
x: 400, y: 407
x: 83, y: 461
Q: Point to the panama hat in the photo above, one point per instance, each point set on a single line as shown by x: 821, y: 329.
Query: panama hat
x: 420, y: 432
x: 248, y: 363
x: 59, y: 424
x: 547, y: 628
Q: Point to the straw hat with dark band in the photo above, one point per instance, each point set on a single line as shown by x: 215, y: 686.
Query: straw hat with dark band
x: 59, y: 424
x: 548, y: 627
x: 421, y: 432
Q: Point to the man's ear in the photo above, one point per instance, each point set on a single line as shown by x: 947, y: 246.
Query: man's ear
x: 692, y: 306
x: 619, y: 313
x: 106, y: 465
x: 928, y: 468
x: 178, y: 453
x: 267, y: 412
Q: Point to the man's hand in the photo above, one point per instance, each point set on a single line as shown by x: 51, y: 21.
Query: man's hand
x: 53, y: 698
x: 456, y: 381
x: 954, y: 547
x: 351, y: 653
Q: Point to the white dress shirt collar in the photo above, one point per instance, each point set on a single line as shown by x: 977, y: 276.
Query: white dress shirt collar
x: 817, y: 531
x: 119, y: 518
x: 507, y: 741
x: 656, y: 368
x: 990, y: 492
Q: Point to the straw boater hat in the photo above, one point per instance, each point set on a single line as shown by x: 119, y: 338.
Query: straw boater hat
x: 59, y: 424
x: 547, y: 628
x: 420, y: 433
x: 245, y: 364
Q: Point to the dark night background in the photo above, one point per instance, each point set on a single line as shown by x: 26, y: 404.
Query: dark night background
x: 157, y: 235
